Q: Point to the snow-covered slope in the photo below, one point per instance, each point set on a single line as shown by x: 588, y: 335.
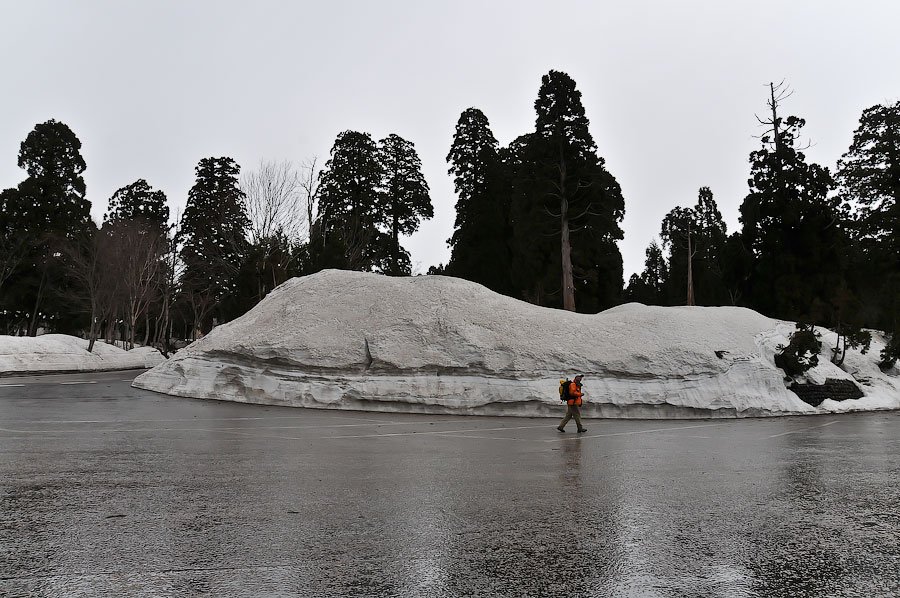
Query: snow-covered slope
x: 63, y: 353
x: 351, y: 340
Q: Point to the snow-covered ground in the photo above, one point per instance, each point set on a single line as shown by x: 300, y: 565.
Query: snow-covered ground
x: 349, y: 340
x: 63, y: 353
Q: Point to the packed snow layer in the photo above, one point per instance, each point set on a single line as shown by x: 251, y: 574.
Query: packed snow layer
x: 63, y: 353
x: 350, y: 340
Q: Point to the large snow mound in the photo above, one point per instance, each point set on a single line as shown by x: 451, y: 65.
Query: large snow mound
x: 351, y: 340
x: 63, y: 353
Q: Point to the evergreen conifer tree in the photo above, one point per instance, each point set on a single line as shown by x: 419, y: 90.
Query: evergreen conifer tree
x: 649, y: 286
x: 695, y: 237
x: 52, y: 198
x: 213, y: 241
x: 562, y: 188
x: 869, y: 184
x: 480, y: 246
x: 47, y: 210
x: 534, y: 246
x: 791, y: 226
x: 345, y: 234
x: 403, y: 203
x: 139, y: 203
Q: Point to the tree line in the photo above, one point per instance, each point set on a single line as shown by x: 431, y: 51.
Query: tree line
x: 814, y: 246
x: 138, y: 279
x: 538, y: 219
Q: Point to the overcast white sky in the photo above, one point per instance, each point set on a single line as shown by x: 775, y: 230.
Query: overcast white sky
x: 670, y: 88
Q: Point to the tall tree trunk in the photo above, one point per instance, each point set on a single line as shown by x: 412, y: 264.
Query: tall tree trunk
x: 774, y: 104
x: 157, y: 330
x: 690, y: 274
x: 568, y: 282
x: 773, y: 289
x: 196, y: 324
x: 567, y: 278
x: 132, y: 323
x: 95, y: 325
x: 146, y: 327
x: 32, y: 326
x: 167, y: 325
x: 395, y: 233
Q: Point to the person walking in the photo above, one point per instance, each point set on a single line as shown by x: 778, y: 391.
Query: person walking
x: 573, y: 410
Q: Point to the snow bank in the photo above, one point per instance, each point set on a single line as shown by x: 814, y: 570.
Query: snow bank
x: 349, y: 340
x: 882, y: 389
x: 63, y: 353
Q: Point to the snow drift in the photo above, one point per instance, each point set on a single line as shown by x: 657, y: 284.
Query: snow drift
x: 350, y: 340
x: 63, y: 353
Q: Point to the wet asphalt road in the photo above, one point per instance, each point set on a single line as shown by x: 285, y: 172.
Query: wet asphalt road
x: 107, y: 490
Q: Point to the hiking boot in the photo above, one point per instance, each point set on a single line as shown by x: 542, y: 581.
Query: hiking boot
x: 560, y: 430
x: 582, y: 430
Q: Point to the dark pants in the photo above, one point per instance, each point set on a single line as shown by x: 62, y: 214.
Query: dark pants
x: 574, y: 411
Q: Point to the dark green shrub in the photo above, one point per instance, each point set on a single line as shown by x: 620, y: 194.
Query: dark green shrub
x: 891, y: 353
x: 801, y: 353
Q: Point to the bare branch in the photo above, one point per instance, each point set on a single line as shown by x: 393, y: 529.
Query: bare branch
x: 274, y: 196
x: 309, y: 183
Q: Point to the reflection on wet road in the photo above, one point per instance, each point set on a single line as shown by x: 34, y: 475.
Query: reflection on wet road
x: 111, y: 491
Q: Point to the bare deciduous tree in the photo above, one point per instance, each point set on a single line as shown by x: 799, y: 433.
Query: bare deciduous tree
x: 274, y: 194
x: 142, y: 272
x: 201, y: 301
x: 280, y: 200
x: 94, y: 265
x: 309, y: 183
x: 172, y: 270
